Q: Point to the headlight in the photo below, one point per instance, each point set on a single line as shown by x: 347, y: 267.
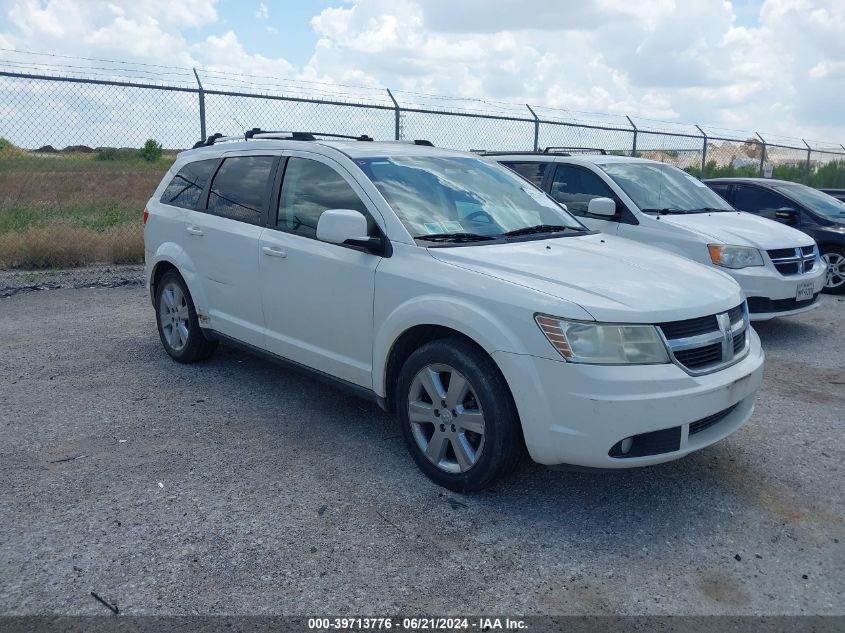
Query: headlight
x: 600, y: 344
x: 734, y: 256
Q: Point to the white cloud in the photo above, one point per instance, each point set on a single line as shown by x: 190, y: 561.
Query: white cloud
x: 679, y: 61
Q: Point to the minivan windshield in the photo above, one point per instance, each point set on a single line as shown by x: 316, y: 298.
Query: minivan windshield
x: 661, y: 188
x: 465, y: 199
x: 814, y: 199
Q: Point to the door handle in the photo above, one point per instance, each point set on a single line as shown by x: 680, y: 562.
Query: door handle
x: 273, y: 251
x: 194, y: 230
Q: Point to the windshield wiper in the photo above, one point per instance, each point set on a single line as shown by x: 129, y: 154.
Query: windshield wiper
x: 664, y: 211
x: 541, y: 228
x: 709, y: 210
x: 454, y: 237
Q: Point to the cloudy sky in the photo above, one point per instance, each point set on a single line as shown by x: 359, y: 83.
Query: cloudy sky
x: 777, y: 66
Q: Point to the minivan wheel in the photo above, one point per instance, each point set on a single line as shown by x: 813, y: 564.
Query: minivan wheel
x: 178, y: 326
x: 835, y: 260
x: 457, y: 415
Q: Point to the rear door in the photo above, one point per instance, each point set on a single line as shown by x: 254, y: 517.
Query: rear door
x: 222, y: 240
x: 318, y: 297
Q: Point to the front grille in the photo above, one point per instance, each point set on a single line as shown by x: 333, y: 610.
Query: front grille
x: 758, y: 305
x: 707, y: 343
x: 793, y: 261
x: 700, y: 356
x: 705, y: 423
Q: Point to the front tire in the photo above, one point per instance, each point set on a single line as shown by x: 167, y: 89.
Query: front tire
x: 457, y: 415
x: 834, y: 257
x: 178, y: 325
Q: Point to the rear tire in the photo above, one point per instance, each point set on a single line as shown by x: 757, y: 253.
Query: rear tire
x: 457, y: 415
x: 178, y: 325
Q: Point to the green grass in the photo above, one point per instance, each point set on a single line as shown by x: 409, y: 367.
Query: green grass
x: 95, y: 216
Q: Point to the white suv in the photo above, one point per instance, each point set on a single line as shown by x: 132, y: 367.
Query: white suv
x: 452, y: 292
x: 778, y: 267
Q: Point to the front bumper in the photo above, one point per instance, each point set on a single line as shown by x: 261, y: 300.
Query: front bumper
x: 576, y: 414
x: 771, y: 294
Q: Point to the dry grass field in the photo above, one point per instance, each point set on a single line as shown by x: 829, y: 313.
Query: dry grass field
x: 73, y: 208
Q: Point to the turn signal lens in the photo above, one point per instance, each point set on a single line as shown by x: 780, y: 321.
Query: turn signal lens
x: 146, y: 215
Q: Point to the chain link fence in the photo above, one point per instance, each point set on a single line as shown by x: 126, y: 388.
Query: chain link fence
x: 73, y: 179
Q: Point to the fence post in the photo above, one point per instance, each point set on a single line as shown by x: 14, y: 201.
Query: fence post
x: 397, y: 112
x: 634, y: 144
x: 703, y: 151
x: 762, y: 152
x: 807, y: 170
x: 202, y: 106
x: 536, y: 129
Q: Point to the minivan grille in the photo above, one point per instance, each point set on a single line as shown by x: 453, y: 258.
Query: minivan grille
x: 705, y: 344
x: 793, y: 261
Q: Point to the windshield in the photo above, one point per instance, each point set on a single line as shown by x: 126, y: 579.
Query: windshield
x: 464, y: 197
x: 660, y: 188
x: 817, y: 201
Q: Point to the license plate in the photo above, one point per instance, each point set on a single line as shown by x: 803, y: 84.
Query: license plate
x: 805, y: 291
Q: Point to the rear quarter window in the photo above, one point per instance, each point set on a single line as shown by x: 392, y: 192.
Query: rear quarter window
x: 186, y: 187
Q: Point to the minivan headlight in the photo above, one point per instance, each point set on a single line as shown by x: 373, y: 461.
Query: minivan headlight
x: 604, y: 344
x: 734, y: 256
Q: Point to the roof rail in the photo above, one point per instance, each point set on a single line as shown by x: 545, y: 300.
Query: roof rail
x: 566, y: 151
x: 422, y: 141
x: 258, y: 133
x: 516, y: 153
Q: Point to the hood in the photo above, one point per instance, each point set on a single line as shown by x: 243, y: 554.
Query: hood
x: 613, y: 279
x: 741, y: 229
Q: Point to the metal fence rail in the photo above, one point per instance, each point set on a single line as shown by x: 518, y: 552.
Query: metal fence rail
x: 46, y: 115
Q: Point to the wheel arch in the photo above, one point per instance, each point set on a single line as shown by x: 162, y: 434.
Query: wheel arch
x: 421, y: 321
x: 170, y: 256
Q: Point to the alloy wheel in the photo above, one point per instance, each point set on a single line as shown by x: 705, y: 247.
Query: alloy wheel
x: 835, y: 270
x: 446, y: 418
x: 174, y: 317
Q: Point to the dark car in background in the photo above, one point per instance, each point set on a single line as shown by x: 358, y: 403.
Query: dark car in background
x: 816, y: 213
x: 839, y: 194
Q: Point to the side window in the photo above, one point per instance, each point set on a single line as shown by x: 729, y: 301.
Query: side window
x: 533, y: 172
x: 239, y: 190
x: 186, y: 187
x: 721, y: 189
x: 575, y: 187
x: 757, y: 199
x: 308, y: 189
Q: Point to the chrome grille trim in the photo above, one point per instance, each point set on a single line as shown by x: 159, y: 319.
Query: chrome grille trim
x: 724, y: 335
x: 793, y: 261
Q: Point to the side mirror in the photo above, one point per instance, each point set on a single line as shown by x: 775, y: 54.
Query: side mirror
x: 787, y: 215
x: 602, y: 206
x: 346, y: 227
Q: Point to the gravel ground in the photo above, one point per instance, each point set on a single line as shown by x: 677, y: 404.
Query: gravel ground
x: 13, y: 282
x: 236, y: 486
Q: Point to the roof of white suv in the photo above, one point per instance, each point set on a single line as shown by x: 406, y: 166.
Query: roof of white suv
x: 598, y: 159
x: 353, y: 149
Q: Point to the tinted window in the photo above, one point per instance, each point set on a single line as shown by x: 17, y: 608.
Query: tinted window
x: 533, y: 172
x: 308, y: 189
x: 575, y: 187
x: 816, y: 200
x: 757, y: 199
x: 240, y: 188
x: 186, y: 187
x: 721, y: 189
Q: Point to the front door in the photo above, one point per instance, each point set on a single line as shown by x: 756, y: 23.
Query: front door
x: 575, y: 186
x: 317, y: 297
